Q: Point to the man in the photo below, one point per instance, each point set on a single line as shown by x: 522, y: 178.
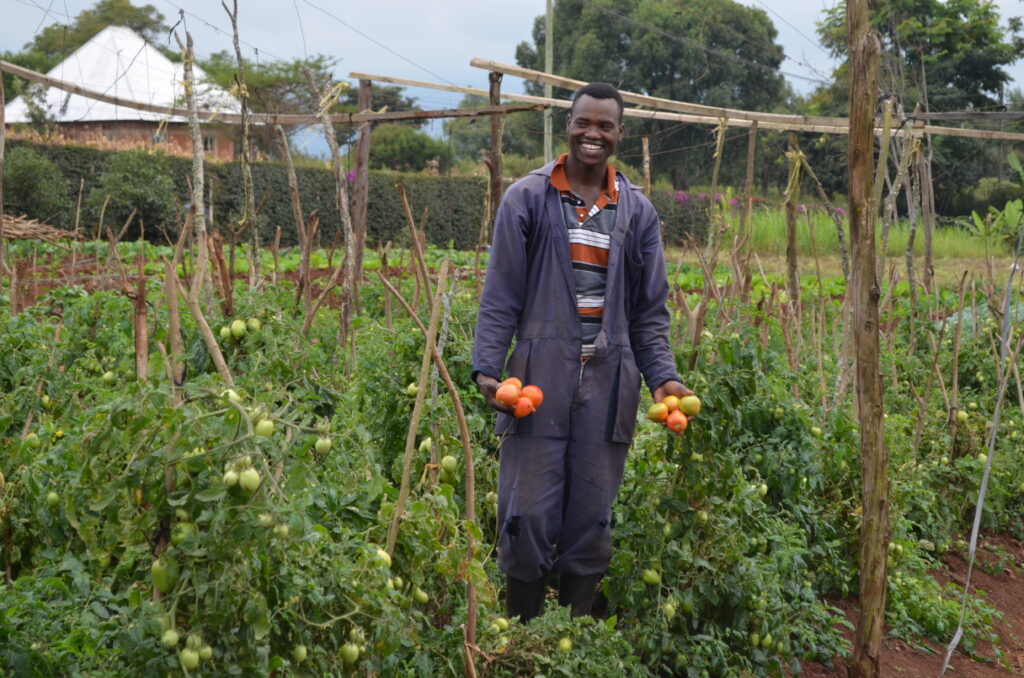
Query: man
x: 577, y: 275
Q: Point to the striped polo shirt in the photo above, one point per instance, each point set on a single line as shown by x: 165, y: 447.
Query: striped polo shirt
x: 589, y: 237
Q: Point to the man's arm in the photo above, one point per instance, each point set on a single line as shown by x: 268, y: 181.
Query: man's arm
x: 649, y: 315
x: 501, y: 303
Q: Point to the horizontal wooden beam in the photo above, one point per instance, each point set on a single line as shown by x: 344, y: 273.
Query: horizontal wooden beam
x: 259, y: 118
x: 733, y: 117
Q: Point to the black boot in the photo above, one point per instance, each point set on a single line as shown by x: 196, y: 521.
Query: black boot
x: 577, y: 591
x: 524, y: 599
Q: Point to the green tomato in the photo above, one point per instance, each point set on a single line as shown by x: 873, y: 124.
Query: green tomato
x: 109, y: 377
x: 264, y: 427
x: 194, y: 641
x: 669, y: 609
x: 169, y: 638
x: 265, y: 520
x: 254, y: 324
x: 238, y: 328
x: 501, y: 623
x: 815, y: 431
x: 412, y: 389
x: 205, y: 652
x: 961, y: 416
x: 383, y: 557
x: 164, y: 575
x: 225, y: 333
x: 652, y: 577
x: 420, y: 596
x: 702, y: 517
x: 52, y: 499
x: 426, y: 445
x: 565, y: 644
x: 182, y: 531
x: 766, y: 641
x: 299, y: 654
x: 189, y: 659
x: 349, y: 653
x: 249, y: 479
x: 323, y: 445
x: 281, y: 531
x: 231, y: 478
x: 449, y: 463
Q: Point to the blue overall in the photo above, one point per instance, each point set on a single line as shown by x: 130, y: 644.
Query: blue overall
x: 561, y: 467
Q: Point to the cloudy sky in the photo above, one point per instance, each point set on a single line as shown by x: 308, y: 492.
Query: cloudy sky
x: 431, y: 41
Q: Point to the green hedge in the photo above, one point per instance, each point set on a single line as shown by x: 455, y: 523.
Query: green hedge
x: 455, y: 204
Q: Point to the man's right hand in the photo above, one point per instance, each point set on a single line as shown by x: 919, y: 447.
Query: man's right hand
x: 488, y: 387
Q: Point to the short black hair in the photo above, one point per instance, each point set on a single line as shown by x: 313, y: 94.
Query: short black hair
x: 599, y: 90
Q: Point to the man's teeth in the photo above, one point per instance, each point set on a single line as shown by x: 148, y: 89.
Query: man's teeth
x: 591, y: 147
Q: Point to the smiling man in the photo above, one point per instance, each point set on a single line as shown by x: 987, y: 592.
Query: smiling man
x: 577, y: 278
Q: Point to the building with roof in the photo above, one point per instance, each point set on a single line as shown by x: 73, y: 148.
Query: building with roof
x: 118, y: 62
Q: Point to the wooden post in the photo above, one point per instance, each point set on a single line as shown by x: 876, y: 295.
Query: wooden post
x: 647, y: 165
x: 347, y: 264
x: 199, y: 220
x: 249, y: 195
x: 494, y: 163
x: 792, y: 193
x: 303, y: 291
x: 3, y: 141
x: 864, y: 292
x: 141, y: 319
x: 924, y: 165
x: 362, y: 187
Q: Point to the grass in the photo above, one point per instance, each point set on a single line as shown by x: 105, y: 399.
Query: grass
x: 769, y: 238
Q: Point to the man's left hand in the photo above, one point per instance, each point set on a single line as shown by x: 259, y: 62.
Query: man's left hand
x: 671, y: 387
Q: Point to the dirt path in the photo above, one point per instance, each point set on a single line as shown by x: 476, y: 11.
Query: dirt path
x: 1004, y: 590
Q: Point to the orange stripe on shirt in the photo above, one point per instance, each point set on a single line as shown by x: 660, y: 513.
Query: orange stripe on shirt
x: 588, y: 254
x: 592, y: 312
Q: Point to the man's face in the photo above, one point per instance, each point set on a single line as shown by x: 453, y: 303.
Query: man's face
x: 595, y: 129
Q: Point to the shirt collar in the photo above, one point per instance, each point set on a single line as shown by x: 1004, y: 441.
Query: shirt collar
x: 560, y: 181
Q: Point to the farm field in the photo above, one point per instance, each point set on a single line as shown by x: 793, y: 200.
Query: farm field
x: 239, y: 526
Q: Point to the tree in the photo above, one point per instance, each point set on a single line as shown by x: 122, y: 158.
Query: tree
x: 522, y: 133
x: 401, y: 147
x: 55, y: 42
x: 714, y: 52
x: 946, y: 55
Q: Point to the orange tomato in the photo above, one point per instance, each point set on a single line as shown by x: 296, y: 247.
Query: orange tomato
x: 514, y: 380
x: 671, y: 402
x: 534, y: 393
x: 523, y: 407
x: 507, y: 394
x: 657, y: 412
x: 676, y: 421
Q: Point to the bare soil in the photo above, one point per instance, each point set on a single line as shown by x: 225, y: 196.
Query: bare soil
x: 1002, y: 585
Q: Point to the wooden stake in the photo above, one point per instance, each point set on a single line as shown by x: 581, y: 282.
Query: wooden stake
x: 248, y: 220
x: 3, y: 145
x: 199, y: 280
x: 494, y: 158
x: 362, y: 187
x: 646, y: 142
x: 141, y: 327
x: 349, y: 288
x: 792, y: 194
x: 874, y: 535
x: 417, y: 410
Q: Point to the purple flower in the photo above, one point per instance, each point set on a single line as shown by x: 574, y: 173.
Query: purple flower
x: 681, y: 197
x: 840, y: 211
x: 702, y: 196
x: 734, y: 202
x: 351, y: 176
x: 800, y: 209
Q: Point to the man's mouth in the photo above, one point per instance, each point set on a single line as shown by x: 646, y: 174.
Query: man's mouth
x: 591, y: 148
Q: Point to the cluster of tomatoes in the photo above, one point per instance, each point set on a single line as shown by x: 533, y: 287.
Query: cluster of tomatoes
x: 674, y: 412
x: 524, y: 400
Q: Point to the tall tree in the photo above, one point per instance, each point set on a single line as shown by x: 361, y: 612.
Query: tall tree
x: 714, y: 52
x: 56, y: 41
x: 522, y: 133
x: 947, y: 55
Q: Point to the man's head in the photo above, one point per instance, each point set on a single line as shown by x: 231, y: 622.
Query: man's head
x: 598, y: 90
x: 594, y: 124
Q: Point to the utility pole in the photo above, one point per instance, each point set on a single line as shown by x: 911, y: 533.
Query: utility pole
x: 549, y: 65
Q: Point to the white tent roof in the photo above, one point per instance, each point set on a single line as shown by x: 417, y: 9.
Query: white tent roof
x: 117, y: 61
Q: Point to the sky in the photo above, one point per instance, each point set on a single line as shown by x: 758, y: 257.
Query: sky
x: 430, y: 41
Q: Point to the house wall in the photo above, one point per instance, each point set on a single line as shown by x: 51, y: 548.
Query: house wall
x: 174, y: 138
